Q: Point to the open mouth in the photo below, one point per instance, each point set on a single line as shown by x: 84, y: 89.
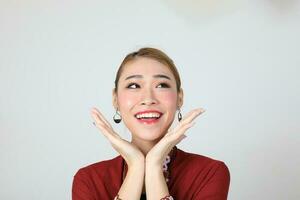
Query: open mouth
x: 148, y: 116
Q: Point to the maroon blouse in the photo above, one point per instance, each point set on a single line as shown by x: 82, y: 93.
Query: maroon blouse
x: 191, y: 177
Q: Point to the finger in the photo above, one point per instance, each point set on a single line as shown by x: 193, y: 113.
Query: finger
x: 179, y: 139
x: 183, y: 129
x: 175, y: 138
x: 97, y: 112
x: 97, y: 119
x: 109, y: 134
x: 189, y: 118
x: 186, y: 120
x: 104, y: 131
x: 180, y: 132
x: 167, y: 143
x: 104, y: 128
x: 112, y: 136
x: 100, y: 115
x: 192, y: 115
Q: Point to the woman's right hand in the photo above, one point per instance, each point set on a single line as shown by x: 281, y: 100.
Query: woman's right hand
x: 127, y: 150
x: 133, y: 183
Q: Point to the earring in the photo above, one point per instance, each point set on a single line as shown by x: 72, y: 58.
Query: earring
x: 179, y: 115
x: 117, y: 117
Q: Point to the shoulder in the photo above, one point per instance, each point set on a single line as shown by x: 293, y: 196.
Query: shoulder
x: 100, y: 169
x: 101, y: 178
x: 200, y: 177
x: 195, y: 164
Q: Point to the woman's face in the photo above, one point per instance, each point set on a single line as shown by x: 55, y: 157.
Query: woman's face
x: 147, y: 98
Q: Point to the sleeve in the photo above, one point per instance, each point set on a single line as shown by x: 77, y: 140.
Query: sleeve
x: 217, y: 186
x: 80, y: 187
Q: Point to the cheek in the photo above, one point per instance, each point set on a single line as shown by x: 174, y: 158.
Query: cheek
x: 126, y: 101
x: 169, y: 99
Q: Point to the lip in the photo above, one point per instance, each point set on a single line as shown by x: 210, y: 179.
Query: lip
x: 148, y: 111
x: 148, y: 121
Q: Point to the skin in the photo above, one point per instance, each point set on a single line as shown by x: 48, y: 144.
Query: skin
x: 150, y: 144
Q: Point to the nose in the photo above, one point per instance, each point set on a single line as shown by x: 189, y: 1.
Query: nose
x: 148, y: 98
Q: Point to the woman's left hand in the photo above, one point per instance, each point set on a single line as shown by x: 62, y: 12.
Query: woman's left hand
x: 159, y: 152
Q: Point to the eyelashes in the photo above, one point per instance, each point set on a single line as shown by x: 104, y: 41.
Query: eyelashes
x: 132, y: 86
x: 163, y: 85
x: 136, y: 86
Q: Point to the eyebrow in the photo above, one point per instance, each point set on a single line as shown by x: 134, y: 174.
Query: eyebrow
x: 155, y: 76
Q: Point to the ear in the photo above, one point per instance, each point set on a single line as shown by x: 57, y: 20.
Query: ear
x: 180, y: 98
x: 115, y: 98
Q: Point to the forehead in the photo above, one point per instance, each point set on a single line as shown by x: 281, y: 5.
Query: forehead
x: 145, y: 67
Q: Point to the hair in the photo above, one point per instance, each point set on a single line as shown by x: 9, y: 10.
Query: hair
x: 154, y: 54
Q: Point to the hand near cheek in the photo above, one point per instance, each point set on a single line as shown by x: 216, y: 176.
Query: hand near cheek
x: 127, y: 150
x: 159, y: 152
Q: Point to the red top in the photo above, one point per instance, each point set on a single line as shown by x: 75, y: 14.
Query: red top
x: 192, y: 177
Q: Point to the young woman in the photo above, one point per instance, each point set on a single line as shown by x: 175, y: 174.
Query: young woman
x: 146, y: 96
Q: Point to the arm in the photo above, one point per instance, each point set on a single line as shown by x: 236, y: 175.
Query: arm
x: 132, y: 186
x: 156, y: 186
x: 133, y: 182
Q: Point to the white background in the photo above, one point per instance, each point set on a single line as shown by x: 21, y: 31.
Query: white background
x: 238, y: 59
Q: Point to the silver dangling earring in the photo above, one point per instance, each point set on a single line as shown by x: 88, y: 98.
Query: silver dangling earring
x: 117, y: 117
x: 179, y: 116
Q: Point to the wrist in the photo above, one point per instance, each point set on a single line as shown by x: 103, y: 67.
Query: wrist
x: 137, y: 167
x: 150, y: 161
x: 137, y: 163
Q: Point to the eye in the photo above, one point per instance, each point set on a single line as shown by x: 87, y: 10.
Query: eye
x: 163, y: 85
x: 133, y: 86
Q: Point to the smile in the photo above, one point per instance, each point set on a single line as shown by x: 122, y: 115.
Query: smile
x: 148, y: 117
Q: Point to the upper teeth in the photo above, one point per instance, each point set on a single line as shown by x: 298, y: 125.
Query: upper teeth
x: 148, y: 115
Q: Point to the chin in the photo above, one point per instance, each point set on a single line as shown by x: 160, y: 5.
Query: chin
x: 149, y: 135
x: 149, y: 132
x: 151, y: 139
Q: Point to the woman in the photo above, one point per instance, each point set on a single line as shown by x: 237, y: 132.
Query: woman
x: 146, y: 96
